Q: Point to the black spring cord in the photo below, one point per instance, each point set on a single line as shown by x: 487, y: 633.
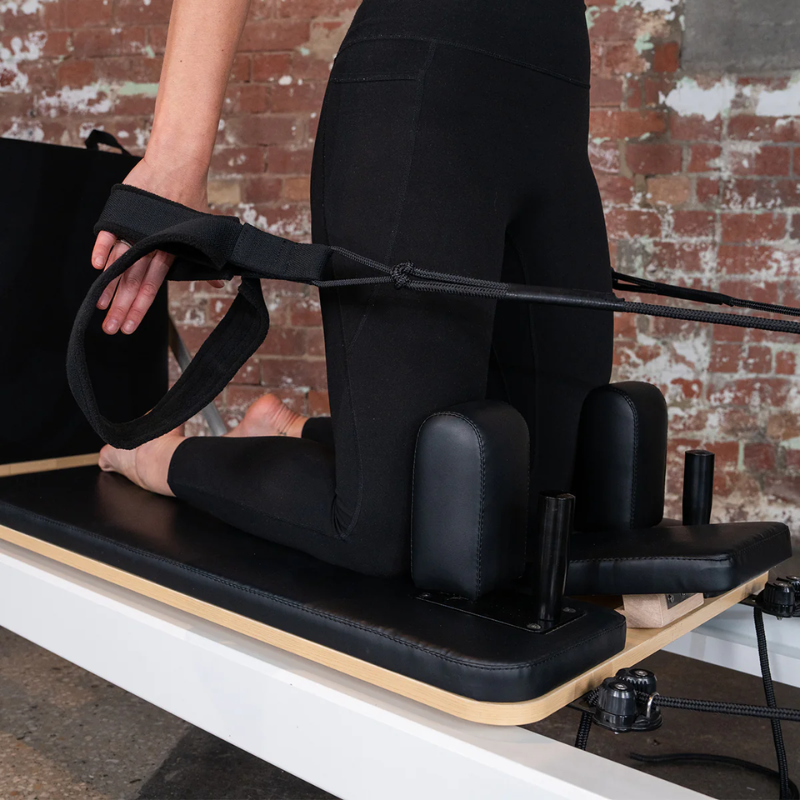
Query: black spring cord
x: 788, y: 789
x: 707, y: 758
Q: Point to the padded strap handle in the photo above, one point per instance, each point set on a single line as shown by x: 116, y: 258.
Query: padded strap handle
x: 103, y: 137
x: 206, y: 246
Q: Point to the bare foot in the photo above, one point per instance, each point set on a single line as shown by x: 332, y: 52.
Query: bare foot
x: 146, y: 466
x: 269, y: 416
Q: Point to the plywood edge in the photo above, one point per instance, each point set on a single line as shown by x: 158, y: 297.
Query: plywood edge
x: 640, y: 643
x: 48, y: 464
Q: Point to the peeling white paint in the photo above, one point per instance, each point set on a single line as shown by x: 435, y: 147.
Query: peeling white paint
x: 24, y: 129
x: 780, y: 102
x: 668, y: 7
x: 285, y: 80
x: 688, y: 98
x: 26, y: 7
x: 14, y: 81
x: 94, y: 98
x: 643, y: 43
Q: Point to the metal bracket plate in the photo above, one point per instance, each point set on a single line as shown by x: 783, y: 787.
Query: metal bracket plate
x: 508, y: 608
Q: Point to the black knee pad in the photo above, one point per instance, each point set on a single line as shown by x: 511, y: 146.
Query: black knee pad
x: 470, y: 502
x: 621, y: 461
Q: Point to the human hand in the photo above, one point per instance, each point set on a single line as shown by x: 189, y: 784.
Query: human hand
x: 129, y: 297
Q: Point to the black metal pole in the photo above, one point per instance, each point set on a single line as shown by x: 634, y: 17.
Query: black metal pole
x: 556, y: 513
x: 698, y: 487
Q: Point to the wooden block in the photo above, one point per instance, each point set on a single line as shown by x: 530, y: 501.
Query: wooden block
x: 48, y: 464
x: 657, y: 610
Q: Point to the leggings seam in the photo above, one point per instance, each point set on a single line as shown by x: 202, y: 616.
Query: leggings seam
x: 434, y: 40
x: 401, y: 197
x: 292, y: 604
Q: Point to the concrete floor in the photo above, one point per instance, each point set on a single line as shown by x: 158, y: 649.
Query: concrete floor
x: 65, y: 734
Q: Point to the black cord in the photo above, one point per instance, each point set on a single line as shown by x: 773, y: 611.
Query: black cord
x: 769, y: 692
x: 584, y: 729
x: 734, y: 709
x: 707, y: 758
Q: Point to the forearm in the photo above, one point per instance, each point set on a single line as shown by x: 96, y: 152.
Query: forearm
x: 201, y: 45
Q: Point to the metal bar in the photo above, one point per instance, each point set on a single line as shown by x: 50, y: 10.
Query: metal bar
x: 182, y: 355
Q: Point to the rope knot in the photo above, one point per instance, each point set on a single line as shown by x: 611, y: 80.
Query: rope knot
x: 401, y: 274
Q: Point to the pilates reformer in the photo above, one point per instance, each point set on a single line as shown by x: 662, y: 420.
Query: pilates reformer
x: 505, y: 650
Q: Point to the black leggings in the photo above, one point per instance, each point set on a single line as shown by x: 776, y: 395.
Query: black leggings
x: 453, y: 135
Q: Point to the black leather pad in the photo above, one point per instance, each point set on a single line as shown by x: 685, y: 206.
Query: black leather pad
x: 105, y: 517
x: 675, y: 558
x: 470, y: 509
x: 621, y: 463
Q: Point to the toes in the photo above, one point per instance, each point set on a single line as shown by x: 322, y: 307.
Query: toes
x: 106, y: 461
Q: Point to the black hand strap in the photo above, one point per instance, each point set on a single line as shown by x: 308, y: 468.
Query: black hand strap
x: 208, y: 246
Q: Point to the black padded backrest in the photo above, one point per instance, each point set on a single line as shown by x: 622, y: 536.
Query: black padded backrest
x: 470, y: 505
x: 621, y: 458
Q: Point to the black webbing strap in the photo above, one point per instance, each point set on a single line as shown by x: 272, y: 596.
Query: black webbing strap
x: 208, y: 246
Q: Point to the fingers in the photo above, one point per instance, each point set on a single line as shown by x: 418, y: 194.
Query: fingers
x: 103, y: 245
x: 147, y: 291
x: 108, y: 293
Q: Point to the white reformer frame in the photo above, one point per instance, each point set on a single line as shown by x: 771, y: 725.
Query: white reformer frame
x: 356, y: 740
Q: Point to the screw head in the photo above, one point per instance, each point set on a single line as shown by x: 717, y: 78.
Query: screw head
x: 424, y: 595
x: 640, y: 673
x: 533, y: 626
x: 568, y: 610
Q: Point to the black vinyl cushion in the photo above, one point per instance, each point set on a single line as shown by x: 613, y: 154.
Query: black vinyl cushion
x: 103, y: 516
x: 621, y: 462
x: 675, y: 558
x: 470, y: 504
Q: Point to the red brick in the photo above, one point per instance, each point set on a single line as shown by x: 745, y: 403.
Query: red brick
x: 275, y: 35
x: 135, y: 12
x: 319, y: 404
x: 271, y: 66
x: 765, y: 293
x: 86, y: 13
x: 701, y: 157
x: 742, y: 260
x: 753, y: 193
x: 767, y: 161
x: 772, y: 392
x: 315, y: 342
x: 622, y: 58
x: 606, y: 91
x: 666, y: 57
x: 653, y: 159
x: 763, y: 129
x: 628, y: 223
x: 237, y: 160
x: 694, y: 224
x: 94, y: 42
x: 298, y: 97
x: 261, y: 189
x: 246, y: 98
x: 289, y: 160
x: 758, y: 360
x: 671, y: 190
x: 753, y: 227
x: 75, y: 74
x: 57, y: 44
x: 615, y: 189
x: 296, y: 189
x: 604, y: 156
x: 707, y: 191
x: 674, y: 257
x: 785, y: 363
x: 759, y: 457
x: 285, y: 342
x: 240, y: 71
x: 795, y: 231
x: 725, y: 358
x: 314, y: 8
x: 626, y: 124
x: 293, y: 372
x: 694, y: 128
x: 267, y: 130
x: 656, y: 89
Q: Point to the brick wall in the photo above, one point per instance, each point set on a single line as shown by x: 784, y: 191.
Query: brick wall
x: 700, y: 175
